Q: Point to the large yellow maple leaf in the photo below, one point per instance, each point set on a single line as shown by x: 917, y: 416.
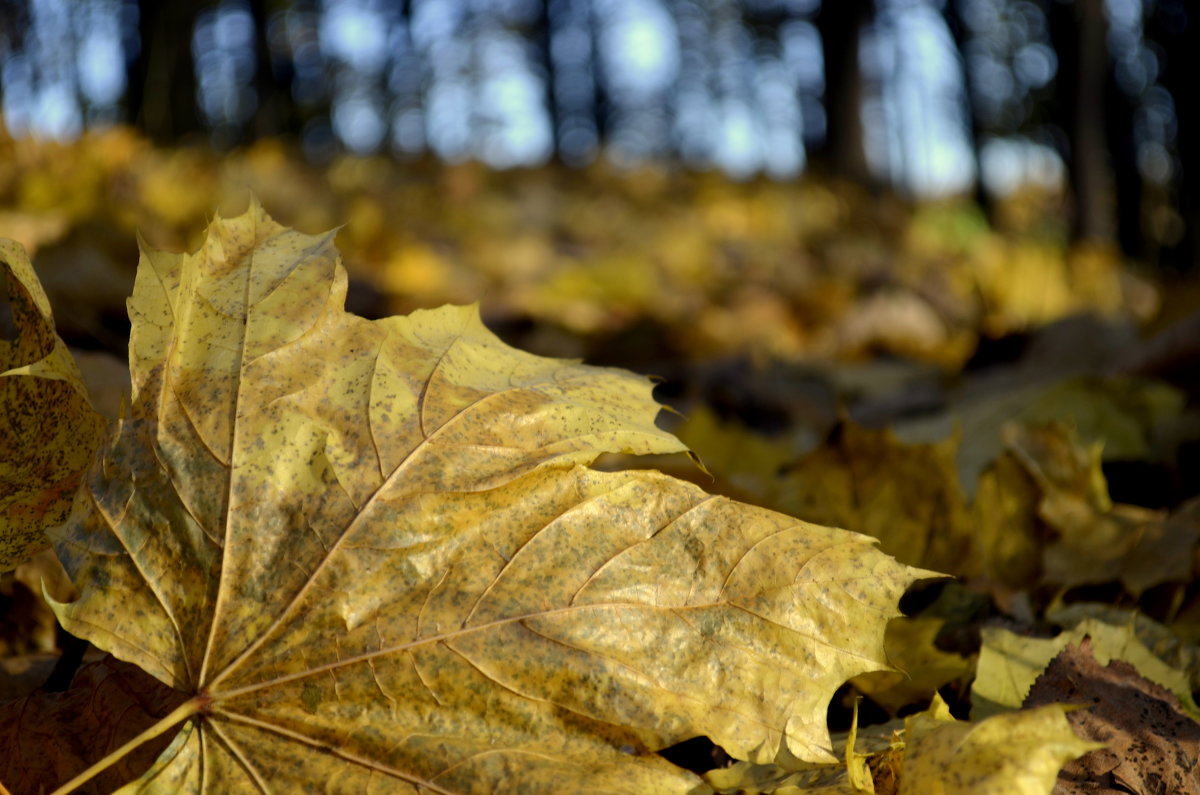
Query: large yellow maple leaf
x: 375, y: 556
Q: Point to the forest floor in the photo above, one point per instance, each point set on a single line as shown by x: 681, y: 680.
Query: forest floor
x: 983, y: 398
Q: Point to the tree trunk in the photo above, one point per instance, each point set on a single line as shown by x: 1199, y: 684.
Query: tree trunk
x: 542, y: 38
x: 275, y: 113
x: 601, y: 104
x: 14, y: 21
x: 1119, y: 112
x: 161, y: 98
x: 958, y: 29
x: 1178, y: 33
x: 842, y: 153
x: 1077, y: 31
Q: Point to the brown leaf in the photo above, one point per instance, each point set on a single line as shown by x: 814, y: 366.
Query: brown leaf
x: 1153, y: 747
x: 51, y: 737
x: 1010, y: 663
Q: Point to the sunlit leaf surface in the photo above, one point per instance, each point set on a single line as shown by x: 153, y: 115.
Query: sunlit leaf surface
x: 1017, y: 753
x: 375, y: 554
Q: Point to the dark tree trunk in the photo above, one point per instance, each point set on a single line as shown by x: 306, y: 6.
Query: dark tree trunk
x: 764, y: 21
x: 601, y: 104
x: 161, y: 97
x: 542, y: 37
x: 273, y: 72
x: 1119, y: 111
x: 840, y: 23
x: 958, y: 29
x: 319, y: 88
x: 1175, y: 25
x: 1077, y: 32
x: 14, y: 20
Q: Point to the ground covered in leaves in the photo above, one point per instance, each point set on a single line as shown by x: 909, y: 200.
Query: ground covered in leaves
x: 984, y: 400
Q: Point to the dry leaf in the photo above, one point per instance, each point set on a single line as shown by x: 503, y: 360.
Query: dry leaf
x: 747, y: 463
x: 29, y: 623
x: 48, y: 430
x: 907, y: 496
x: 1007, y: 531
x: 1096, y: 541
x: 1164, y: 642
x: 1152, y: 746
x: 1009, y: 663
x: 923, y: 667
x: 50, y: 737
x: 872, y: 744
x: 1121, y: 412
x: 1017, y: 753
x: 373, y: 556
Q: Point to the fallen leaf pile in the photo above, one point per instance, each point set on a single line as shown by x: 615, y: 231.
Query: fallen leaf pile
x: 308, y: 551
x: 796, y: 271
x: 1041, y: 512
x: 371, y: 554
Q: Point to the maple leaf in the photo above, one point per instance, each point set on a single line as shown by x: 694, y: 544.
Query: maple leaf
x: 48, y: 430
x: 373, y: 554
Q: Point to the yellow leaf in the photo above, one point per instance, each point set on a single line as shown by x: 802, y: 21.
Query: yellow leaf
x: 1004, y: 515
x: 48, y: 430
x: 748, y: 462
x: 1017, y: 753
x: 907, y: 496
x: 873, y: 745
x: 33, y: 230
x: 1098, y: 541
x: 374, y: 553
x: 416, y: 269
x: 858, y: 775
x: 923, y: 667
x: 869, y: 481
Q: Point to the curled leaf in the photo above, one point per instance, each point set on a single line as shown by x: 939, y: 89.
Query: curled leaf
x: 48, y: 430
x: 1017, y: 753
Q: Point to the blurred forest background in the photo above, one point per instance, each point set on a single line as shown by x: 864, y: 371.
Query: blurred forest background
x: 926, y: 97
x: 905, y: 214
x: 726, y: 194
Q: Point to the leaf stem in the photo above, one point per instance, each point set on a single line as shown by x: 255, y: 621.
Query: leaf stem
x: 181, y: 713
